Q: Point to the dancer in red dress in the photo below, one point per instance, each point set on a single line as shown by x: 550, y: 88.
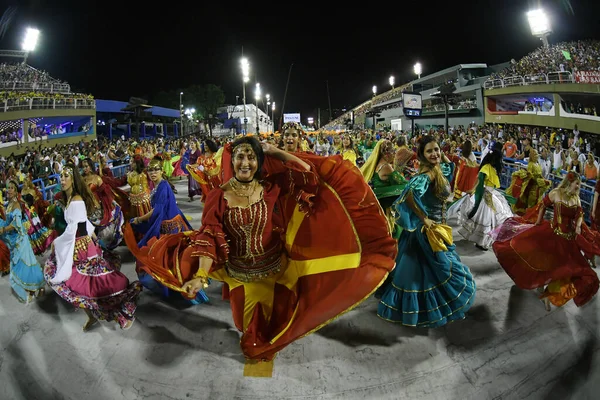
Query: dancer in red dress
x: 262, y: 235
x: 547, y: 255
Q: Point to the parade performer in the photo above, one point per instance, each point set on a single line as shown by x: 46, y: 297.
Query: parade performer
x: 40, y: 236
x: 468, y: 170
x: 207, y: 168
x: 485, y: 207
x: 430, y: 285
x: 140, y: 185
x: 528, y: 186
x: 26, y: 277
x: 164, y: 217
x: 107, y: 215
x: 193, y: 186
x: 262, y: 235
x: 387, y: 183
x: 77, y: 270
x: 547, y: 255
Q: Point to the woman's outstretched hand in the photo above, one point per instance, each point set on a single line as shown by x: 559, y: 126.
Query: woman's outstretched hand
x: 194, y: 286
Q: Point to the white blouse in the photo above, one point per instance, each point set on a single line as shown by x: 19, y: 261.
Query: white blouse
x: 64, y: 245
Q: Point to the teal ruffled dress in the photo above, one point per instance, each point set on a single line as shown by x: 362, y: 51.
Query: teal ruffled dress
x: 387, y: 192
x: 26, y: 276
x: 427, y: 289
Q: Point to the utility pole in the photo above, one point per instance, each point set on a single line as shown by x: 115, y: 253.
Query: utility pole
x: 319, y: 118
x: 284, y: 96
x: 329, y: 99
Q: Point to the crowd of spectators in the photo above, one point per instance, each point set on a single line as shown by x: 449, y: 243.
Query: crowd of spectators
x: 22, y: 72
x: 582, y: 55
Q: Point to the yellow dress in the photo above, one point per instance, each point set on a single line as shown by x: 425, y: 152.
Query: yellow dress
x: 140, y: 192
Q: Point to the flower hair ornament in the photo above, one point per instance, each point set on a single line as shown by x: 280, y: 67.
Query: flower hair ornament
x: 292, y: 125
x: 572, y: 176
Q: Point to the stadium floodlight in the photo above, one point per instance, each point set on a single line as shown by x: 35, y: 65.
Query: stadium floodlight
x: 539, y: 24
x: 418, y: 68
x: 257, y: 91
x: 31, y: 38
x: 392, y: 81
x: 374, y: 90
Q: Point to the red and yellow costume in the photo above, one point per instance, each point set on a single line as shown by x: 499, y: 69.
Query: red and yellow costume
x: 549, y: 254
x: 4, y: 251
x: 466, y: 177
x: 139, y: 196
x: 285, y: 275
x: 528, y: 187
x: 206, y: 172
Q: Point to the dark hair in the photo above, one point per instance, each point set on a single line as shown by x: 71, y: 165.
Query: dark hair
x: 91, y: 163
x: 20, y: 201
x: 494, y: 158
x: 400, y: 141
x: 466, y: 148
x: 212, y: 147
x: 425, y: 140
x: 138, y: 163
x: 80, y: 188
x: 256, y: 147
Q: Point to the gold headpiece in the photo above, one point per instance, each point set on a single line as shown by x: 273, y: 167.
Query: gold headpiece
x: 154, y: 164
x: 243, y: 147
x: 67, y: 171
x: 387, y: 147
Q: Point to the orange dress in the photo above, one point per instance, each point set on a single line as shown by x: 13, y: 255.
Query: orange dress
x: 549, y: 254
x: 466, y: 177
x: 285, y: 275
x: 206, y: 173
x: 4, y: 252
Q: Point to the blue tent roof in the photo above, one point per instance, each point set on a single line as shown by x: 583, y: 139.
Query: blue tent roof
x: 110, y: 106
x: 163, y: 112
x: 114, y: 106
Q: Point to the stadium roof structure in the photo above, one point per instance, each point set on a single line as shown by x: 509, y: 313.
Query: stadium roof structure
x: 123, y: 107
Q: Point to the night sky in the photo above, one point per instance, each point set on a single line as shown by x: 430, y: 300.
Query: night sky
x: 115, y: 50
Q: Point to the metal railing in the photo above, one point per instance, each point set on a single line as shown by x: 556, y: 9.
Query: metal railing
x: 38, y: 103
x: 536, y: 79
x: 35, y: 86
x: 48, y: 189
x: 586, y: 192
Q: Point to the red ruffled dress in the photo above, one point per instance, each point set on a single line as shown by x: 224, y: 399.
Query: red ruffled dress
x: 4, y: 251
x: 549, y: 254
x: 466, y: 177
x: 284, y: 274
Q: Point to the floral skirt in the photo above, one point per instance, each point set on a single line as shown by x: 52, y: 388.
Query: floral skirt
x: 4, y: 258
x: 96, y: 285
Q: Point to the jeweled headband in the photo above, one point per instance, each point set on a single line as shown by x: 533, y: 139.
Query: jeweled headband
x: 155, y: 164
x: 67, y: 171
x: 291, y: 125
x: 243, y: 147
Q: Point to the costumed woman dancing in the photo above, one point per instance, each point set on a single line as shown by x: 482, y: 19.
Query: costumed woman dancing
x: 26, y: 276
x: 193, y: 186
x: 140, y: 187
x: 262, y: 235
x: 430, y: 285
x: 76, y: 269
x: 547, y: 256
x: 206, y: 169
x: 528, y: 186
x: 468, y: 169
x: 163, y: 217
x: 4, y: 251
x: 387, y: 183
x: 107, y: 215
x: 481, y: 213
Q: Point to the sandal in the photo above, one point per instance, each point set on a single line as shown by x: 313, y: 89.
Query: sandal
x: 90, y: 322
x: 128, y: 325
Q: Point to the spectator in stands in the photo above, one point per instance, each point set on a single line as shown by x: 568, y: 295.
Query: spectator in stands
x: 510, y: 148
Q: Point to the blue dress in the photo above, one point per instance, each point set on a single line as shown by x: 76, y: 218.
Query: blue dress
x: 26, y: 275
x: 166, y: 218
x: 428, y: 288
